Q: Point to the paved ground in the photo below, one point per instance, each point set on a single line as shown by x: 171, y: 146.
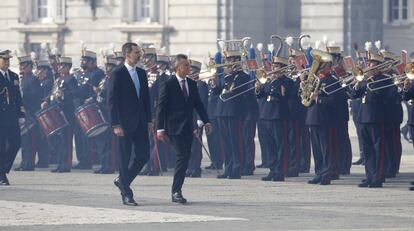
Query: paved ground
x: 83, y: 201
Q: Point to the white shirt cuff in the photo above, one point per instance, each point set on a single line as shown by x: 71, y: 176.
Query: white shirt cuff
x: 160, y: 130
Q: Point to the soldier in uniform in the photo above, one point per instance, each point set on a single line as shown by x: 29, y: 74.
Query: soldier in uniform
x: 194, y: 165
x: 119, y: 57
x: 215, y: 145
x: 250, y: 122
x: 372, y: 120
x: 343, y: 151
x: 65, y: 92
x: 31, y: 96
x: 11, y: 113
x: 88, y: 81
x: 107, y: 148
x: 274, y: 115
x: 45, y: 77
x: 321, y: 122
x: 231, y: 113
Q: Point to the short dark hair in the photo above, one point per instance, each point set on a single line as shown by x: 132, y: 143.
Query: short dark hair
x: 178, y: 59
x: 127, y: 47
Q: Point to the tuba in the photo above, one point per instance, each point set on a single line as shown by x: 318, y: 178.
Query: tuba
x: 313, y: 83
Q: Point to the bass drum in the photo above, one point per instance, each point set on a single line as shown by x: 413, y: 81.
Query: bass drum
x: 51, y: 120
x: 91, y: 120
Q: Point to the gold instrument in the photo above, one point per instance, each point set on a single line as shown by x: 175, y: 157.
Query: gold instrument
x: 261, y: 79
x: 287, y: 70
x: 395, y: 80
x: 312, y: 83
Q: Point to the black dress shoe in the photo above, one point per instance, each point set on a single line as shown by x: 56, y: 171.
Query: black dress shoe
x: 234, y: 177
x: 3, y: 180
x: 325, y: 182
x: 58, y: 170
x: 268, y: 177
x: 315, y: 180
x: 360, y: 161
x: 412, y: 183
x: 411, y: 188
x: 364, y: 184
x: 292, y: 174
x: 222, y: 176
x: 129, y: 200
x: 117, y: 183
x: 177, y: 197
x: 195, y: 175
x: 279, y: 178
x: 375, y: 185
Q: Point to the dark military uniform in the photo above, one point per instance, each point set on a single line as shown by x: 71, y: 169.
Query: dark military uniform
x: 31, y: 96
x: 231, y: 115
x: 322, y: 122
x: 11, y: 109
x: 355, y: 106
x: 261, y: 134
x: 372, y: 118
x: 274, y: 115
x: 249, y: 132
x: 215, y: 144
x: 62, y: 142
x: 194, y: 165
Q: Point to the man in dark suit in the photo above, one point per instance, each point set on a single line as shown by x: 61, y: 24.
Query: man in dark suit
x: 177, y: 99
x: 130, y: 115
x: 11, y: 114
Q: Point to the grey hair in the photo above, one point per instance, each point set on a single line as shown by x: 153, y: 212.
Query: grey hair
x: 178, y: 59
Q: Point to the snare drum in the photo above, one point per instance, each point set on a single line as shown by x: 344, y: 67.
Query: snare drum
x: 51, y: 120
x: 91, y: 120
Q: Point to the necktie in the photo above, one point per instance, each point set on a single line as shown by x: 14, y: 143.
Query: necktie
x: 184, y: 88
x: 6, y: 75
x: 135, y: 79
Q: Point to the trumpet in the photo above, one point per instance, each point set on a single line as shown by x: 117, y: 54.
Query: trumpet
x: 261, y: 79
x: 395, y: 80
x: 213, y: 65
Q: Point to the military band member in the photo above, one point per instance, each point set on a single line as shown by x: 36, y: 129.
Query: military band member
x: 119, y: 57
x: 322, y: 123
x: 274, y: 115
x: 215, y: 144
x: 372, y: 118
x: 107, y: 141
x: 45, y: 77
x: 343, y: 151
x: 64, y: 95
x: 11, y: 113
x: 31, y: 96
x: 194, y: 165
x: 298, y: 134
x: 231, y: 114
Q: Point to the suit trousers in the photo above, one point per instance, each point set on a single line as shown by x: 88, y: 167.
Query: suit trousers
x: 10, y: 142
x: 181, y: 145
x: 130, y: 164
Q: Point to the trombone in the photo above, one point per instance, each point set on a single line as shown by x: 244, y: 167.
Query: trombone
x: 396, y: 79
x: 261, y: 76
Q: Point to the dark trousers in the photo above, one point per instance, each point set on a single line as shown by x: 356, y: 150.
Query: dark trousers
x: 82, y: 147
x: 276, y: 133
x: 231, y: 129
x: 105, y: 145
x: 181, y: 145
x: 62, y: 144
x: 131, y: 163
x: 323, y: 150
x: 294, y: 146
x: 393, y: 148
x: 373, y: 136
x: 43, y: 150
x: 194, y: 165
x: 29, y: 142
x: 249, y: 132
x: 215, y: 144
x: 305, y: 147
x: 9, y: 146
x: 343, y: 158
x: 360, y: 141
x: 262, y: 142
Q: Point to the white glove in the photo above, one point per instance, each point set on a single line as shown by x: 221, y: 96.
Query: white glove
x: 22, y: 120
x: 200, y: 123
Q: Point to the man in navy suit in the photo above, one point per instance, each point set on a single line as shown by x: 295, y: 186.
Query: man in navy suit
x: 130, y: 115
x: 177, y: 99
